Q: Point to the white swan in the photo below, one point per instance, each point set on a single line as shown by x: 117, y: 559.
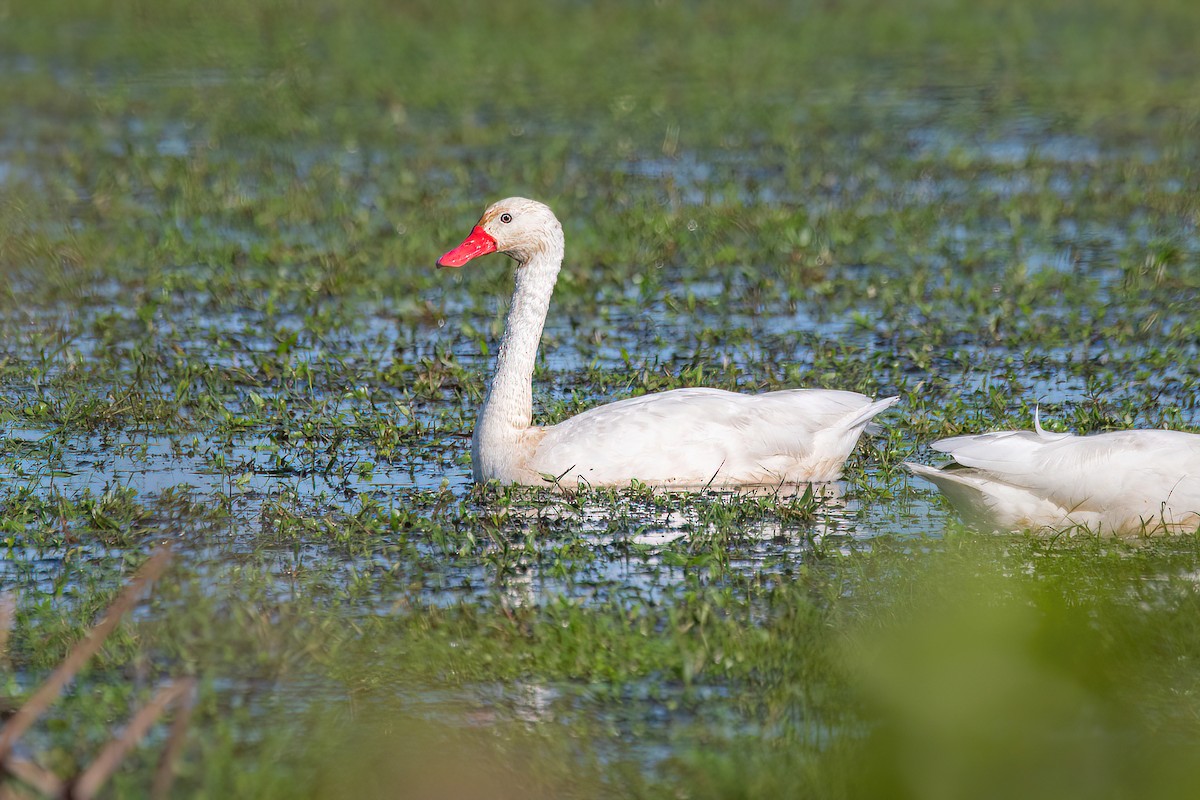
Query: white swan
x: 687, y: 438
x: 1123, y: 482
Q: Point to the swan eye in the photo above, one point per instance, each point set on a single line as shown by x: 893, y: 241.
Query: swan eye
x: 506, y: 218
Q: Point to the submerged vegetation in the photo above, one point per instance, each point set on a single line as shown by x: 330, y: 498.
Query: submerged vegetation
x: 222, y: 328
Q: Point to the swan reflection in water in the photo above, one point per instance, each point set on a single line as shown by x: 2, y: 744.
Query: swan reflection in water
x: 648, y: 534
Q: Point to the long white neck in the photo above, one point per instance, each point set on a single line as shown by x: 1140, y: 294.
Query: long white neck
x: 507, y: 410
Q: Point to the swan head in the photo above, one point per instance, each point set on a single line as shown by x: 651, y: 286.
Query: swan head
x: 515, y: 226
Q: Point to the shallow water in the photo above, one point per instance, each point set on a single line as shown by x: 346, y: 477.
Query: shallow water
x: 679, y: 321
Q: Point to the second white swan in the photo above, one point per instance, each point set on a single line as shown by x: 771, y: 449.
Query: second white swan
x: 1121, y: 482
x: 687, y: 438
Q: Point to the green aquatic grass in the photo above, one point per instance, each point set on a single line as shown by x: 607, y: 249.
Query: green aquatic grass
x: 222, y: 327
x: 984, y: 666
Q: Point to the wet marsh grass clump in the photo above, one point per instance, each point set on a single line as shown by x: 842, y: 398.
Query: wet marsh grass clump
x: 221, y: 326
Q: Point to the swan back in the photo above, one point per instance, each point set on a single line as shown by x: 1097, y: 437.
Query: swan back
x: 699, y: 437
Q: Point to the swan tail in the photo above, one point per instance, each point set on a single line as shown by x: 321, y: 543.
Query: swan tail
x: 1001, y: 452
x: 864, y: 416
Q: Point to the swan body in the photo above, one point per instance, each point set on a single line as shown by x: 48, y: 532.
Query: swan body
x: 685, y: 438
x: 1122, y: 483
